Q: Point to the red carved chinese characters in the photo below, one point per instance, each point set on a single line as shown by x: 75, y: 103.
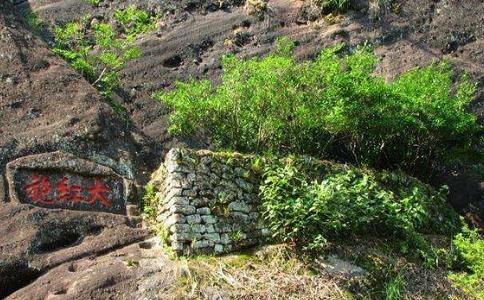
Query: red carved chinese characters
x: 39, y: 190
x: 63, y: 191
x: 76, y: 193
x: 96, y: 193
x: 68, y: 193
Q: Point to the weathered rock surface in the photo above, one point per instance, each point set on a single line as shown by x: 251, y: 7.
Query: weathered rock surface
x: 194, y: 34
x: 138, y: 271
x: 34, y: 240
x: 45, y: 107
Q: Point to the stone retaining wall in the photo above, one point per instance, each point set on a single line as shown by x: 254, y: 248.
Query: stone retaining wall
x: 209, y: 201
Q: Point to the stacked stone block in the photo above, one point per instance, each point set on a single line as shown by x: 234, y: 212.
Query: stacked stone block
x: 210, y: 202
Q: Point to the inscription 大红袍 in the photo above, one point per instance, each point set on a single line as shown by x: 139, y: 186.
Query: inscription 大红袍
x: 40, y: 190
x: 61, y: 180
x: 70, y: 190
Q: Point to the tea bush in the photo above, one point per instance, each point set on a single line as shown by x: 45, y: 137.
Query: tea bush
x: 470, y: 247
x: 347, y: 201
x: 334, y: 107
x: 71, y: 44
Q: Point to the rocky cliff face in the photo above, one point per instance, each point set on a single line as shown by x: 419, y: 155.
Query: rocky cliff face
x: 194, y: 34
x: 45, y: 106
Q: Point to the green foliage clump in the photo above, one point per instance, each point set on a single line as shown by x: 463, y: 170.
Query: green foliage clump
x: 333, y: 106
x: 349, y: 201
x: 99, y: 52
x: 34, y: 22
x: 135, y: 21
x: 149, y: 202
x: 339, y: 6
x: 100, y: 69
x: 470, y: 247
x: 94, y: 2
x: 393, y: 288
x: 71, y: 44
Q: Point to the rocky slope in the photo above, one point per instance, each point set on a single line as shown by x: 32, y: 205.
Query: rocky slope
x: 193, y: 35
x: 46, y: 106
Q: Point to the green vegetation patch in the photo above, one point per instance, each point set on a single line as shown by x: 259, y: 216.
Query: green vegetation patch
x: 149, y: 202
x: 34, y: 22
x: 344, y: 202
x: 470, y: 250
x: 332, y: 6
x: 135, y: 21
x: 99, y: 52
x: 319, y: 206
x: 398, y: 229
x: 333, y: 107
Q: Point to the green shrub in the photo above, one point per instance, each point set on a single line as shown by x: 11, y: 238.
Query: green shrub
x: 135, y: 21
x: 339, y: 6
x: 94, y: 2
x: 131, y: 53
x: 333, y: 106
x: 71, y: 44
x: 75, y: 43
x: 70, y: 35
x: 105, y: 36
x: 470, y: 247
x: 79, y: 60
x: 350, y: 201
x: 34, y: 22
